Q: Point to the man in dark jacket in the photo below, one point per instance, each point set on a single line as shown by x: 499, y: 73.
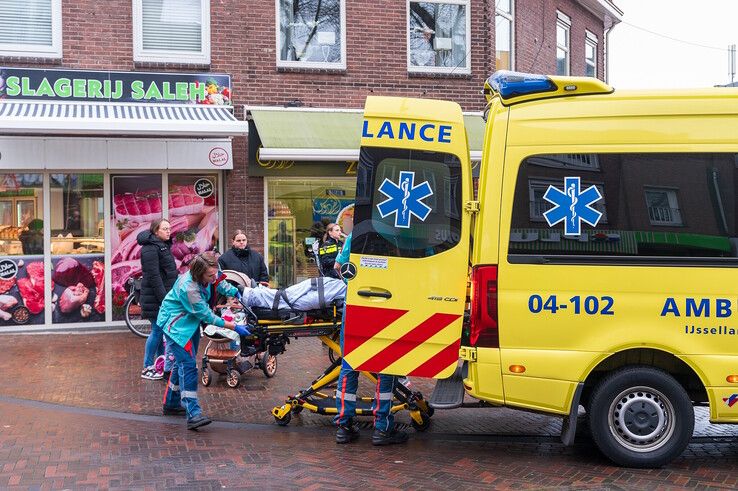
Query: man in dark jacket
x: 159, y: 274
x: 240, y: 257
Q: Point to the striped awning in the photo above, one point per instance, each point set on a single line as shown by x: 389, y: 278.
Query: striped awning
x: 94, y: 118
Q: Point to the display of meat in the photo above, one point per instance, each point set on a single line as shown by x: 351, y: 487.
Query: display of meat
x: 129, y: 246
x: 7, y: 302
x: 208, y: 228
x: 184, y: 201
x: 120, y: 272
x: 69, y: 272
x: 98, y: 272
x: 32, y: 287
x: 142, y: 206
x: 6, y: 285
x: 73, y: 297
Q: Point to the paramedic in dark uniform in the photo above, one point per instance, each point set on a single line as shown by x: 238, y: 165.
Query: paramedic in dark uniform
x: 329, y: 249
x: 348, y: 383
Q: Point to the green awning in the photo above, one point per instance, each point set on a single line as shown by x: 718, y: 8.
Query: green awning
x: 325, y: 134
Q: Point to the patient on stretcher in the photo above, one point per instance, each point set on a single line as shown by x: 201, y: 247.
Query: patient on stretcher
x: 311, y: 294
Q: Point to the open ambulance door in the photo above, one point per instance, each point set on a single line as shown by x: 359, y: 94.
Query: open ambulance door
x: 410, y: 242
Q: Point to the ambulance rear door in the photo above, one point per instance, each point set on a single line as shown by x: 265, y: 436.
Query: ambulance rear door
x: 409, y: 258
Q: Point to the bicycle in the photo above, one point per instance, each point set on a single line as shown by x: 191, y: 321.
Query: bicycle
x: 132, y: 309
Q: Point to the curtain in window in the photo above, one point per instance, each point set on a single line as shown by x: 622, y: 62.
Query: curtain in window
x: 172, y: 25
x: 25, y: 22
x: 438, y: 35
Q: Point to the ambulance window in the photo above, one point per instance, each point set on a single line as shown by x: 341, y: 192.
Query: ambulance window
x: 640, y: 208
x: 408, y: 203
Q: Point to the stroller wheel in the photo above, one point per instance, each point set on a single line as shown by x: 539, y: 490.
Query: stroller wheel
x: 284, y: 421
x: 207, y: 376
x: 234, y: 378
x: 269, y: 364
x: 424, y: 424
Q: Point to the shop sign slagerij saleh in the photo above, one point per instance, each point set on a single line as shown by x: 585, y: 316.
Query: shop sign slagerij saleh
x: 107, y: 86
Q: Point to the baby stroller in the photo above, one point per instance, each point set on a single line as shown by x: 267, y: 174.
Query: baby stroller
x: 232, y: 355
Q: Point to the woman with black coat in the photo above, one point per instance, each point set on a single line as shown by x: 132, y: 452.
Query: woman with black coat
x: 159, y: 274
x: 329, y: 249
x: 240, y: 257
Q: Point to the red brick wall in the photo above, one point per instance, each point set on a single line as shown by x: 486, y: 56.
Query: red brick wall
x: 98, y: 36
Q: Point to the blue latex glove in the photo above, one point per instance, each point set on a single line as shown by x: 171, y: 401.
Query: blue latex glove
x: 241, y: 329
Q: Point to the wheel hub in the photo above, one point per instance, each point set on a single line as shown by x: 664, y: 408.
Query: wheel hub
x: 641, y: 419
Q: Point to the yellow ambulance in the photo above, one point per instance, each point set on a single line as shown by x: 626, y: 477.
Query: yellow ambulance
x: 598, y: 266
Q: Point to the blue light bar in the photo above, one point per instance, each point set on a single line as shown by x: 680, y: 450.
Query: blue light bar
x: 514, y: 84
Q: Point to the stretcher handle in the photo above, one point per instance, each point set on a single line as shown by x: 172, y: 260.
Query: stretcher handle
x: 368, y: 293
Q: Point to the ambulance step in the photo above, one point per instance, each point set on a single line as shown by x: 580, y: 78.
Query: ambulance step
x: 449, y: 392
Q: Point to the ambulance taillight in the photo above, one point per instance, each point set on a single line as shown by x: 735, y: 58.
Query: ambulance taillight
x: 483, y: 329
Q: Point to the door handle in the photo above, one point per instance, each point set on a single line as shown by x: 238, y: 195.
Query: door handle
x: 369, y: 293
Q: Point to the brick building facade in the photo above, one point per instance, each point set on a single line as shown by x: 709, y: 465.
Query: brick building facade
x: 378, y: 47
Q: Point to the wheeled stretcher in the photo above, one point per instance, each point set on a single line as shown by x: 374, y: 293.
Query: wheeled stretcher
x: 271, y: 330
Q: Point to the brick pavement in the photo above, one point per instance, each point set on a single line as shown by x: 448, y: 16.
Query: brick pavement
x: 100, y: 372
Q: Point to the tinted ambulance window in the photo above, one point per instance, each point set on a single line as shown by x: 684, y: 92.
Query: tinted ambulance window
x: 620, y: 207
x: 408, y: 203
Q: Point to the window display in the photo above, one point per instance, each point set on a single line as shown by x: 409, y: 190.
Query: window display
x: 77, y: 247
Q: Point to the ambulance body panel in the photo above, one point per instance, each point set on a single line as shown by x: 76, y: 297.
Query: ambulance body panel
x: 602, y: 258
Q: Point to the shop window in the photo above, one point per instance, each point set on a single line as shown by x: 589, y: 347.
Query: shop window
x: 438, y: 36
x: 136, y: 202
x: 31, y: 28
x: 193, y: 214
x: 21, y: 249
x: 312, y: 33
x: 77, y: 247
x: 504, y: 35
x: 590, y: 55
x: 298, y: 212
x: 171, y: 31
x: 563, y: 28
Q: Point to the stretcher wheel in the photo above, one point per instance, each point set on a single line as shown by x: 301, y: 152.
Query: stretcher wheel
x: 284, y: 421
x: 269, y: 364
x: 233, y: 379
x: 207, y: 377
x: 297, y: 409
x: 425, y: 422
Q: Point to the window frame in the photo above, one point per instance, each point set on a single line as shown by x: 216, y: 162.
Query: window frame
x: 673, y: 200
x: 162, y: 56
x: 590, y: 40
x: 310, y: 65
x: 510, y: 17
x: 54, y: 51
x: 466, y: 70
x: 563, y: 21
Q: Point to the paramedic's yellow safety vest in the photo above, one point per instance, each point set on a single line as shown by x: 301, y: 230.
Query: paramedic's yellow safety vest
x: 331, y: 249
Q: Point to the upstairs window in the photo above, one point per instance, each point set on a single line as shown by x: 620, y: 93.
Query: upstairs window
x: 30, y: 28
x: 590, y: 55
x: 171, y: 31
x: 311, y: 33
x: 663, y: 207
x: 439, y: 37
x: 563, y: 30
x: 504, y: 35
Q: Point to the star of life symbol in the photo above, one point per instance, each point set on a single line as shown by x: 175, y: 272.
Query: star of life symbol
x: 405, y: 199
x: 572, y: 206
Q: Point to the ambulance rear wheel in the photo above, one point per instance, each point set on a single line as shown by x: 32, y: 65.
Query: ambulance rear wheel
x: 284, y: 420
x: 424, y: 424
x: 233, y: 379
x: 641, y: 417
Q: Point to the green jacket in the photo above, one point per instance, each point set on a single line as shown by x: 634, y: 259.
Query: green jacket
x: 187, y: 305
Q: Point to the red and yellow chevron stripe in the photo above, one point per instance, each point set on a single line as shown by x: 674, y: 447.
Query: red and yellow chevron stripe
x: 372, y: 341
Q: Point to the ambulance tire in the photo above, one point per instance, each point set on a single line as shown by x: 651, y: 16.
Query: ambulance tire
x: 641, y: 417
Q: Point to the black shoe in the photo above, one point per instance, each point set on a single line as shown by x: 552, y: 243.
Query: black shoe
x: 347, y: 433
x: 380, y: 437
x: 197, y: 422
x: 173, y: 411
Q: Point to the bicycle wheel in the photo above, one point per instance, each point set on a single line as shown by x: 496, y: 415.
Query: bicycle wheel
x: 137, y: 324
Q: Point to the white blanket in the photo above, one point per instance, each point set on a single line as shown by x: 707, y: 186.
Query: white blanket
x: 302, y: 296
